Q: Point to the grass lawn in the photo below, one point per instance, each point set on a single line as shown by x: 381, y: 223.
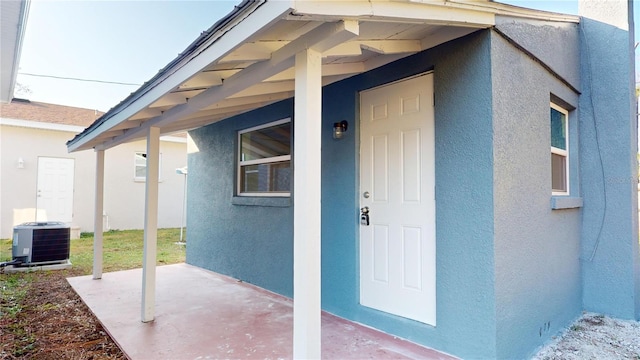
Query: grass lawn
x: 41, y: 317
x: 122, y: 250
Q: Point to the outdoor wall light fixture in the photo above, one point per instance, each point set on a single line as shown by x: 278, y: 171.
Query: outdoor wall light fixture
x: 339, y: 129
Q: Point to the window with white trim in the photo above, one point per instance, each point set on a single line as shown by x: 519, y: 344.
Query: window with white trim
x: 559, y: 150
x: 264, y: 160
x: 140, y: 166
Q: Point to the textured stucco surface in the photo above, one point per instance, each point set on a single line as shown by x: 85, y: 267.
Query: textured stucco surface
x: 509, y: 269
x: 618, y: 13
x: 537, y: 249
x: 251, y: 243
x: 609, y: 164
x: 556, y: 44
x: 254, y: 243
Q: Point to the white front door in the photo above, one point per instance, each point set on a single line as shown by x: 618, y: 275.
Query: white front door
x: 397, y: 185
x: 55, y: 189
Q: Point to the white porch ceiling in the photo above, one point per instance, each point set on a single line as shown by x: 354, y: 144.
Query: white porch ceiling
x: 246, y: 60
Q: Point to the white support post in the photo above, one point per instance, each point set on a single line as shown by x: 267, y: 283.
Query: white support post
x: 306, y: 205
x: 97, y: 216
x: 150, y: 225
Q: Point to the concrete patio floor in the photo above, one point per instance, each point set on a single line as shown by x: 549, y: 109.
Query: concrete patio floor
x: 204, y: 315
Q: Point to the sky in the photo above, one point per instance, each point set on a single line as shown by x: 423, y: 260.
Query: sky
x: 122, y: 41
x: 118, y: 41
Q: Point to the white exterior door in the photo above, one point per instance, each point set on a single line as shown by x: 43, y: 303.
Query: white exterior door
x: 397, y: 180
x: 55, y: 189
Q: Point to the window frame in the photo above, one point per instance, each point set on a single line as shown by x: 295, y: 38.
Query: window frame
x: 137, y: 178
x: 561, y: 152
x: 275, y: 159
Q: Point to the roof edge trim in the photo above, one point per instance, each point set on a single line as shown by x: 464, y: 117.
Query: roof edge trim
x: 40, y: 125
x: 17, y: 53
x: 185, y: 59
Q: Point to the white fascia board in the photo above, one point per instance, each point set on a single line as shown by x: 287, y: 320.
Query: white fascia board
x: 406, y: 12
x: 515, y: 11
x: 453, y: 12
x: 41, y: 125
x: 14, y: 16
x: 238, y: 32
x: 472, y: 12
x: 22, y: 26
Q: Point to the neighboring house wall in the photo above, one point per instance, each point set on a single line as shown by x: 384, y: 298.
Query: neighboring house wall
x: 19, y: 186
x: 124, y: 197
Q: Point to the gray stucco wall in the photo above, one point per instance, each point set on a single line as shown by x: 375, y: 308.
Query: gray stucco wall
x: 556, y: 44
x: 608, y: 132
x: 537, y: 248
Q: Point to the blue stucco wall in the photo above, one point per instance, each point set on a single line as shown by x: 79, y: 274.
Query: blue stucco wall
x: 537, y: 249
x: 250, y: 243
x: 254, y: 243
x: 511, y: 269
x: 465, y: 308
x: 608, y: 132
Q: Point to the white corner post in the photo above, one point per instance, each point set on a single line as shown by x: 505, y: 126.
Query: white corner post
x: 150, y: 225
x: 306, y: 205
x: 97, y: 216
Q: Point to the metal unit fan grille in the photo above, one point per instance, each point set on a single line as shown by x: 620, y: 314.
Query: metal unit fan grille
x: 50, y: 245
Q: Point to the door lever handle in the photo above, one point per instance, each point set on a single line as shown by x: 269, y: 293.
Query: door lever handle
x: 364, y: 216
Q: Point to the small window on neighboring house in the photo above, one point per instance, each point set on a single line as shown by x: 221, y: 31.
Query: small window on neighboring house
x: 140, y: 166
x: 559, y: 150
x: 264, y: 163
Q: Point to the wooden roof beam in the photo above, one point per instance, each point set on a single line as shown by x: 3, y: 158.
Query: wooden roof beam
x: 266, y: 88
x: 170, y: 99
x: 385, y: 47
x: 127, y: 125
x: 321, y: 39
x: 254, y: 51
x: 259, y: 99
x: 327, y: 70
x: 203, y: 79
x: 145, y: 114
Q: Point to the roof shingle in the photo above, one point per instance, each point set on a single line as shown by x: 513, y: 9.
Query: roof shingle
x: 48, y: 113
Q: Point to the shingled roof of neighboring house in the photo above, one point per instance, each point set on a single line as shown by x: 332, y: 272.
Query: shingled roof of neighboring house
x: 20, y: 109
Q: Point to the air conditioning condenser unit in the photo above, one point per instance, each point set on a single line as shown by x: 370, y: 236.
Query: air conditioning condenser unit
x: 41, y: 243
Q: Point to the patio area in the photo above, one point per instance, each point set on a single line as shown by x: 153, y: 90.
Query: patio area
x: 204, y: 315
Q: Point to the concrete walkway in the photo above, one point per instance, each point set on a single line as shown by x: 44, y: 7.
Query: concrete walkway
x: 204, y: 315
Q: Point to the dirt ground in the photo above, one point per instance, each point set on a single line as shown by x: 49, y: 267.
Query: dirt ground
x: 595, y: 336
x: 54, y: 323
